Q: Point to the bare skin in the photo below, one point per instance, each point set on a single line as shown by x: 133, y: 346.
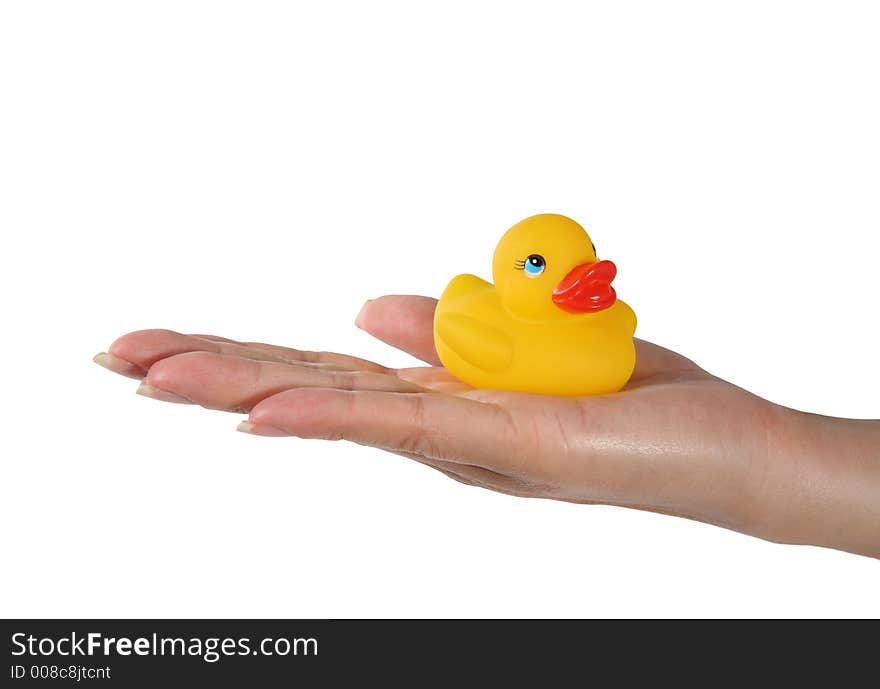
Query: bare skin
x: 676, y: 440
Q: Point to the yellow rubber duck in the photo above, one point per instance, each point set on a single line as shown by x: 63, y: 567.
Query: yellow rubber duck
x: 550, y: 324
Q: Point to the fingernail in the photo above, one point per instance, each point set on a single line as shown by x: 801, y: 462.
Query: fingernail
x: 117, y: 365
x: 358, y: 321
x: 260, y: 429
x: 155, y: 393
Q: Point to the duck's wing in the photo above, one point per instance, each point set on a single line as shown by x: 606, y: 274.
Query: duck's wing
x: 458, y: 327
x: 479, y: 344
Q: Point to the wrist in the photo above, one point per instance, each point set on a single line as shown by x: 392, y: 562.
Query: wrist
x: 826, y: 490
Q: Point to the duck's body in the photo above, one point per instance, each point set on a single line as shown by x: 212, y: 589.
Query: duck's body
x: 499, y: 338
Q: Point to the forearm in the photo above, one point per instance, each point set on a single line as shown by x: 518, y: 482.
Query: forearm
x: 831, y: 488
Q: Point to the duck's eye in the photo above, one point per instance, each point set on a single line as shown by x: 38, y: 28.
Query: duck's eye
x: 534, y: 265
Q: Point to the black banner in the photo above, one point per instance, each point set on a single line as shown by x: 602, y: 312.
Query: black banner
x: 134, y: 653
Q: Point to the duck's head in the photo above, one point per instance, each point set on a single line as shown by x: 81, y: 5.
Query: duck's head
x: 545, y: 267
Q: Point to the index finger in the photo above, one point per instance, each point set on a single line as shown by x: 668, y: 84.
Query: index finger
x: 404, y: 321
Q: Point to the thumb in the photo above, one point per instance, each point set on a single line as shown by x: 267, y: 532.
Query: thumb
x: 403, y: 321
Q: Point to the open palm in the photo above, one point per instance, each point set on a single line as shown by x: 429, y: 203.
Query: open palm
x: 676, y: 440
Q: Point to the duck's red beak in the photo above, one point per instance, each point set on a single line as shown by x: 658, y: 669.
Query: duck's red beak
x: 587, y: 288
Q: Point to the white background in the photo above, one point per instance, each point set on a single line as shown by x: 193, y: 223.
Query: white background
x: 257, y: 170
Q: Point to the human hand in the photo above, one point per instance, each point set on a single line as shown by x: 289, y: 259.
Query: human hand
x: 676, y: 440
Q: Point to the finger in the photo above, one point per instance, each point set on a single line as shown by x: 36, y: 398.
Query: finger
x: 433, y: 378
x: 215, y: 338
x: 432, y: 425
x: 403, y: 321
x: 653, y: 360
x: 332, y: 359
x: 117, y: 365
x: 231, y: 383
x: 143, y: 348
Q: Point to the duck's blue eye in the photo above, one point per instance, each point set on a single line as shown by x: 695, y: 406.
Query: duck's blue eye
x: 534, y: 265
